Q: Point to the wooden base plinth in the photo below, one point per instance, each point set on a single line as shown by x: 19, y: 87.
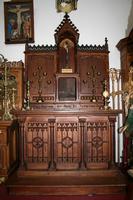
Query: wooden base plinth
x: 93, y: 182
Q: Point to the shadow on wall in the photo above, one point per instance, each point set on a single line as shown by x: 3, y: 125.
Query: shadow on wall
x: 130, y: 21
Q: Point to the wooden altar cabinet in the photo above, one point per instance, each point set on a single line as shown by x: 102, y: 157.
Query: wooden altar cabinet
x: 64, y: 125
x: 66, y: 136
x: 66, y: 140
x: 67, y: 153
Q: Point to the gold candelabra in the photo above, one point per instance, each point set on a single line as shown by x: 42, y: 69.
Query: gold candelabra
x: 7, y: 89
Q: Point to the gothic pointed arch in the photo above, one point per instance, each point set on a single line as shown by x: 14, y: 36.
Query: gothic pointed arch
x: 66, y: 29
x: 66, y: 38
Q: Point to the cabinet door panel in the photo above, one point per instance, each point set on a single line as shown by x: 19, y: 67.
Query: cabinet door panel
x: 67, y: 144
x: 97, y: 144
x: 36, y: 144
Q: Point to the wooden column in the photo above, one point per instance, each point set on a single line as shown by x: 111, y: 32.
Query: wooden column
x: 82, y: 164
x: 52, y: 164
x: 112, y: 139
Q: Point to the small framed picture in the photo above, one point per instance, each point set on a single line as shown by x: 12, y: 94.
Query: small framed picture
x: 19, y: 22
x: 67, y: 89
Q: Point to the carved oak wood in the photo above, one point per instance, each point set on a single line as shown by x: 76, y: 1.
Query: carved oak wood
x: 8, y: 147
x: 66, y: 78
x: 45, y: 64
x: 66, y: 138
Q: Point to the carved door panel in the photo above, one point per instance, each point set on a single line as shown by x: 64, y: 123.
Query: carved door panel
x: 40, y: 70
x: 36, y: 144
x: 97, y: 143
x: 67, y: 144
x: 92, y: 74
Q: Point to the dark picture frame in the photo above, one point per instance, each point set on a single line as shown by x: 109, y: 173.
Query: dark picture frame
x: 67, y: 89
x: 19, y: 22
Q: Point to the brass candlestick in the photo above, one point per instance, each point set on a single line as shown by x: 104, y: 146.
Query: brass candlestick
x: 28, y: 95
x: 106, y: 96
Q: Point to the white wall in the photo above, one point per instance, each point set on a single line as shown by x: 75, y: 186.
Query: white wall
x: 95, y: 19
